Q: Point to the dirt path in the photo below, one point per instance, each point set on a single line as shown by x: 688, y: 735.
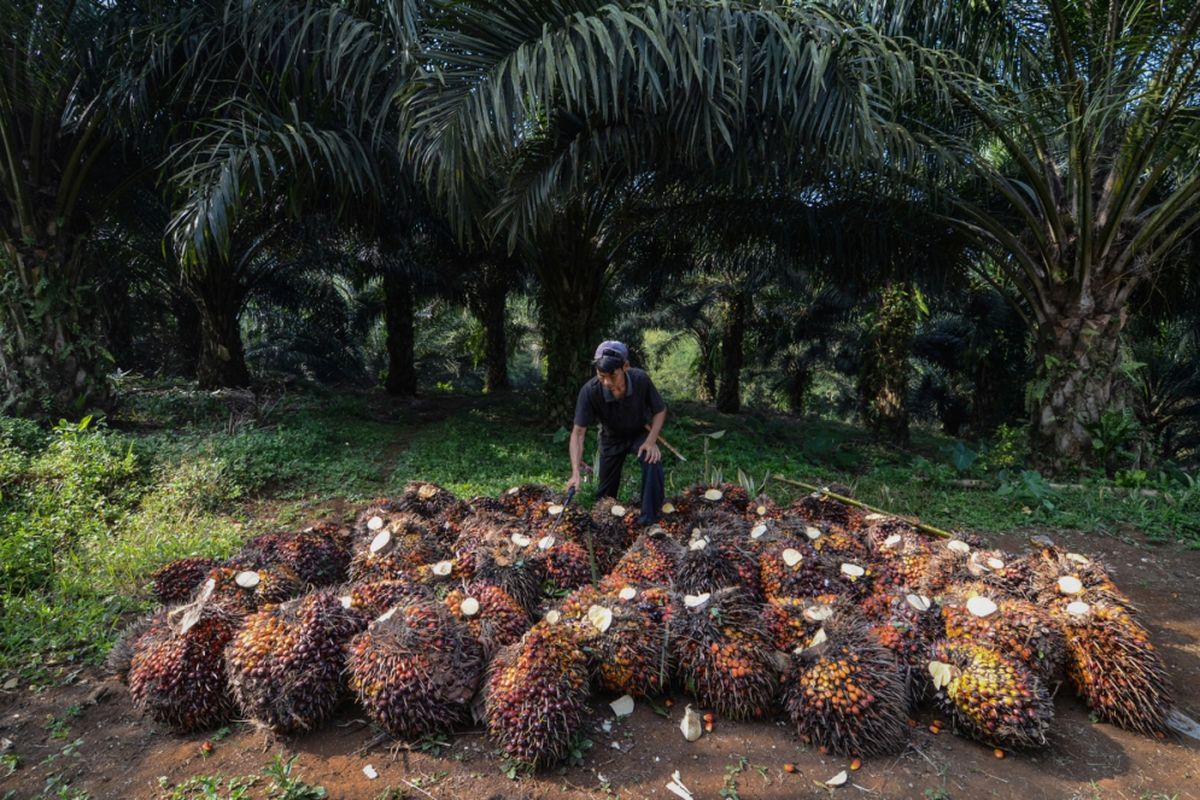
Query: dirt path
x: 122, y: 756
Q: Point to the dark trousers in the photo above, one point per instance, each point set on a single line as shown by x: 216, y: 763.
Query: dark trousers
x: 612, y: 459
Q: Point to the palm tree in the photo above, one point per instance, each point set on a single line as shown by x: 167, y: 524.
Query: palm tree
x: 1089, y: 129
x: 582, y: 103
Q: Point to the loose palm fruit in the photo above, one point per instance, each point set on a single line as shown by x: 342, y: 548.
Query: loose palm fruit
x: 284, y: 666
x: 415, y: 669
x: 652, y: 559
x: 177, y: 673
x: 537, y: 694
x: 789, y: 568
x: 1114, y: 667
x: 992, y: 698
x: 174, y: 582
x: 490, y: 614
x: 724, y: 654
x: 1017, y: 628
x: 843, y: 693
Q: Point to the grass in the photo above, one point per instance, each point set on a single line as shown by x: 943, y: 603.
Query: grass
x: 88, y: 511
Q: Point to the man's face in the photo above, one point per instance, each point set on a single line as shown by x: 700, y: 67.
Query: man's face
x: 613, y: 381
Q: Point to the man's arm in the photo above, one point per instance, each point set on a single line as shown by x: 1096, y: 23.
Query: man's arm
x: 578, y: 434
x: 650, y: 446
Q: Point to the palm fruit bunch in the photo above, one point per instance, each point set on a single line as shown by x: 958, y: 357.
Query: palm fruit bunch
x: 675, y: 515
x: 485, y: 528
x: 415, y: 669
x: 119, y: 658
x: 1017, y: 628
x: 403, y: 543
x: 318, y: 558
x: 879, y: 528
x: 447, y: 525
x: 724, y: 653
x: 909, y: 629
x: 763, y: 508
x: 822, y: 511
x: 562, y: 564
x: 175, y: 582
x: 652, y: 559
x: 537, y: 694
x: 717, y: 555
x: 246, y: 590
x: 852, y: 578
x: 604, y: 544
x: 946, y: 564
x: 426, y: 500
x: 1114, y: 667
x: 520, y: 501
x: 490, y: 614
x: 622, y: 519
x: 727, y: 497
x: 284, y: 666
x: 906, y: 555
x: 836, y: 542
x: 440, y: 573
x: 1060, y: 578
x: 484, y: 504
x: 1005, y: 572
x: 789, y: 622
x: 627, y: 635
x: 511, y: 564
x: 843, y: 693
x: 375, y: 597
x: 993, y: 698
x: 177, y: 672
x: 788, y: 568
x: 375, y: 518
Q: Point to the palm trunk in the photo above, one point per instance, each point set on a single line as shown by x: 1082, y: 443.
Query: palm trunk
x: 487, y: 299
x: 222, y: 362
x: 883, y: 370
x: 706, y: 388
x: 51, y: 361
x: 572, y: 282
x: 1078, y: 378
x: 729, y: 392
x: 399, y: 314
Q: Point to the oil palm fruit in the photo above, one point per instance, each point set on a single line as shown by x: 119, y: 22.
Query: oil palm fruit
x: 622, y: 518
x: 604, y: 544
x: 626, y: 633
x: 789, y: 568
x: 520, y: 501
x: 763, y: 508
x: 842, y: 691
x: 511, y: 565
x: 728, y: 497
x: 1060, y: 577
x: 724, y: 653
x: 1114, y: 667
x: 284, y: 665
x: 537, y: 694
x: 120, y: 656
x: 822, y: 511
x: 426, y: 500
x: 415, y: 669
x: 492, y: 616
x: 177, y: 672
x: 375, y: 597
x: 653, y: 559
x: 561, y: 564
x: 318, y: 558
x: 787, y: 624
x: 175, y: 582
x: 246, y: 590
x: 1017, y: 628
x: 909, y: 629
x: 991, y: 697
x: 403, y: 543
x: 717, y: 555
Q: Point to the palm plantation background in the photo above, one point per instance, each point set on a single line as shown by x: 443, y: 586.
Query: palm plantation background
x: 944, y: 252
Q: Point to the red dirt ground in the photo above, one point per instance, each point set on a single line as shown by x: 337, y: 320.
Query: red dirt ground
x: 123, y: 756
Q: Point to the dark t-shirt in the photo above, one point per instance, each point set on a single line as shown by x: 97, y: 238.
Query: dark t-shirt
x: 622, y: 419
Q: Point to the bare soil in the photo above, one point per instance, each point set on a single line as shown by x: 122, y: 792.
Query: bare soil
x: 123, y: 756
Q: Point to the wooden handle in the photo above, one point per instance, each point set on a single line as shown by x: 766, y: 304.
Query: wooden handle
x: 667, y: 445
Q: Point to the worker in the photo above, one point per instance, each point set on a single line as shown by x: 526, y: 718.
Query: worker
x: 623, y: 400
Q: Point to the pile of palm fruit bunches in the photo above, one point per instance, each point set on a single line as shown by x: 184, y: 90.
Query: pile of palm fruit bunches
x: 433, y: 610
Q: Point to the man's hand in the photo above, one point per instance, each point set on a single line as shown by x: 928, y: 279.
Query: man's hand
x: 573, y: 483
x: 649, y: 453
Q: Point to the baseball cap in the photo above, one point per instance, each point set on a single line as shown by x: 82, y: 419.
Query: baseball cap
x: 610, y: 356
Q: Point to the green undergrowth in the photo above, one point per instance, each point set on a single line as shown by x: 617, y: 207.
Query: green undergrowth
x: 89, y: 510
